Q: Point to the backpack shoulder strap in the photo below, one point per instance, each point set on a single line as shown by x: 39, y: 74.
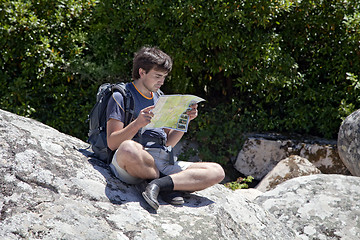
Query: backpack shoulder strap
x: 128, y: 101
x: 159, y: 92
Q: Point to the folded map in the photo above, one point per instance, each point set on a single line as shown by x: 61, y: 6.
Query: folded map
x: 170, y: 112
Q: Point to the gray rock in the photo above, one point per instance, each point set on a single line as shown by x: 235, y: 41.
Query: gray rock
x: 262, y: 152
x: 291, y: 167
x: 250, y: 193
x: 349, y: 142
x: 317, y: 206
x: 50, y: 189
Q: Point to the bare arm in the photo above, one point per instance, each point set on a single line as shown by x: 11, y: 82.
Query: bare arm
x: 175, y: 136
x: 116, y: 133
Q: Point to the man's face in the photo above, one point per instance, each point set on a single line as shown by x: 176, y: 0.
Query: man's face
x: 153, y: 80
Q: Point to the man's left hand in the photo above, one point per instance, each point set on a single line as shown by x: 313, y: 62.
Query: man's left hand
x: 193, y: 112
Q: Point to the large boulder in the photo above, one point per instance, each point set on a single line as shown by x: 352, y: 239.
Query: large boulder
x: 317, y: 206
x: 50, y: 189
x: 349, y: 142
x: 291, y: 167
x: 262, y: 152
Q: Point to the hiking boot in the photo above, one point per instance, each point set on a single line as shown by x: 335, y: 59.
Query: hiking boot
x: 173, y: 197
x: 151, y: 194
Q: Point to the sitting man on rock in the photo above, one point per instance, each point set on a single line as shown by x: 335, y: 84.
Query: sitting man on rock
x: 134, y: 162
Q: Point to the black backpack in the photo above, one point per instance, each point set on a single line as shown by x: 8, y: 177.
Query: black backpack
x: 97, y: 118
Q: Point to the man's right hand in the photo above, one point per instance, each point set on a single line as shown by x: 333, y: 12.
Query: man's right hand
x: 116, y: 133
x: 144, y: 117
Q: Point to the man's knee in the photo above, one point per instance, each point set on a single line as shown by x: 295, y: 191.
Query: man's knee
x: 218, y: 172
x: 213, y: 174
x: 129, y: 149
x: 136, y: 161
x: 128, y: 154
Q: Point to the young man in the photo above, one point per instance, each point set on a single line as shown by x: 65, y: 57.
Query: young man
x: 134, y: 162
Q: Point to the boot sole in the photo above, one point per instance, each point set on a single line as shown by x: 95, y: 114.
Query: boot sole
x: 177, y: 202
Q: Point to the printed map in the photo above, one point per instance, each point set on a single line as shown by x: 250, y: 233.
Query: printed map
x: 170, y: 112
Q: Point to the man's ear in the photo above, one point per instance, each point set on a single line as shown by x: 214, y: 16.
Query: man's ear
x: 142, y: 72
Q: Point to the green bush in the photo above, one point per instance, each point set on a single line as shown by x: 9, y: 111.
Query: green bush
x: 284, y: 66
x: 39, y: 41
x: 324, y: 39
x: 263, y: 66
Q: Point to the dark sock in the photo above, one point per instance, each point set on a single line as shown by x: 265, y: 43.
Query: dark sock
x: 164, y: 183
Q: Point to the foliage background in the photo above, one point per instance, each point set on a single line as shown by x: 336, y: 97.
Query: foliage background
x: 287, y: 66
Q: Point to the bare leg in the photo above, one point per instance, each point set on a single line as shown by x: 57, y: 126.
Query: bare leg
x: 136, y: 161
x: 198, y: 176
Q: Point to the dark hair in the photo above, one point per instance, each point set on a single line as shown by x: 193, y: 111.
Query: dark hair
x: 149, y: 58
